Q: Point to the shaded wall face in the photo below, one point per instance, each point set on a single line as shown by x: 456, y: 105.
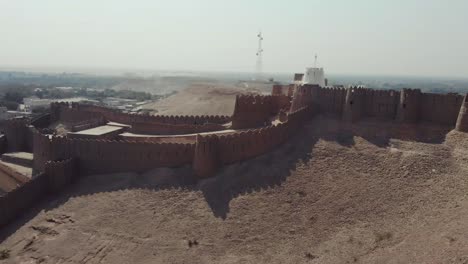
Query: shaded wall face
x: 352, y: 109
x: 381, y: 104
x: 16, y: 201
x: 404, y: 106
x: 41, y: 151
x: 253, y: 111
x: 17, y: 136
x: 440, y: 108
x: 331, y: 101
x: 462, y: 120
x: 104, y: 156
x: 245, y: 145
x: 205, y: 160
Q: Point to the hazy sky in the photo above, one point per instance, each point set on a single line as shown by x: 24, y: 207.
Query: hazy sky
x: 412, y: 37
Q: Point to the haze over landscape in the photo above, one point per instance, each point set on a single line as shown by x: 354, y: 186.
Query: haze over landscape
x: 158, y: 131
x: 416, y: 37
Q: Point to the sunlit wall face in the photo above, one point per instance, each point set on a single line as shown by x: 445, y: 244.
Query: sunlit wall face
x: 416, y: 37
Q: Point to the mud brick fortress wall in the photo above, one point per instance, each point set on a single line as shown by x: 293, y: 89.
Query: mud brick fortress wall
x: 58, y: 174
x: 74, y: 113
x: 256, y: 110
x: 18, y: 135
x: 58, y: 160
x: 409, y: 106
x: 214, y: 151
x: 252, y: 114
x: 353, y: 104
x: 108, y: 156
x: 287, y: 90
x: 462, y: 121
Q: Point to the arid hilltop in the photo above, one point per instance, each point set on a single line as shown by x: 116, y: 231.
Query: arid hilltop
x: 200, y: 99
x: 324, y: 197
x: 305, y: 175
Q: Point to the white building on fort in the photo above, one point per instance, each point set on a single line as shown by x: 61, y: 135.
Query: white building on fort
x: 314, y: 75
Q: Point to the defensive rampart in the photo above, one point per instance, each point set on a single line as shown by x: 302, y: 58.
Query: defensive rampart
x: 213, y: 151
x: 354, y: 104
x: 279, y: 89
x: 256, y: 110
x: 15, y: 201
x: 18, y: 137
x: 108, y: 156
x: 57, y: 175
x: 144, y: 124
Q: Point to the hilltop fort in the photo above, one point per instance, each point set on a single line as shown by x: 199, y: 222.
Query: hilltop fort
x: 78, y: 139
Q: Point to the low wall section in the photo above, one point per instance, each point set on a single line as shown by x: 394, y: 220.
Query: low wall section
x: 154, y: 128
x: 19, y: 199
x: 145, y: 124
x: 109, y: 156
x: 117, y: 116
x: 57, y: 175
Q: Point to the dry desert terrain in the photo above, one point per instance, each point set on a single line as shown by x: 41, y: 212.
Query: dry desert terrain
x: 323, y: 197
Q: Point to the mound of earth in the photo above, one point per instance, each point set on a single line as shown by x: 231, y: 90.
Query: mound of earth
x: 320, y: 198
x: 200, y: 99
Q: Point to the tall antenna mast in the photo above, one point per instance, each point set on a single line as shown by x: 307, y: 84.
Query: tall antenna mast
x: 259, y: 57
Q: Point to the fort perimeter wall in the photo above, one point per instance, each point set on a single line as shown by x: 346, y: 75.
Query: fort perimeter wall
x: 57, y: 176
x: 353, y: 104
x: 59, y: 159
x: 143, y: 124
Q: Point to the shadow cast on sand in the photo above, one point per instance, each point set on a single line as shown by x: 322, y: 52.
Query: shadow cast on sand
x: 263, y: 172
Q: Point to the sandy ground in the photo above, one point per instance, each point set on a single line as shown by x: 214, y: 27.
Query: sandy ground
x: 321, y: 198
x: 200, y: 99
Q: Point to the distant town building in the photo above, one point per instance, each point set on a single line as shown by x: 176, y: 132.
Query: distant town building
x: 6, y: 114
x: 34, y: 102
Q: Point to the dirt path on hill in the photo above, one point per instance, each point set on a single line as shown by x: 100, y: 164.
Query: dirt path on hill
x: 321, y: 198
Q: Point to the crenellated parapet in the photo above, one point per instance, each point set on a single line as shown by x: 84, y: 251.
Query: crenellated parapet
x: 109, y: 156
x: 211, y: 152
x: 76, y: 113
